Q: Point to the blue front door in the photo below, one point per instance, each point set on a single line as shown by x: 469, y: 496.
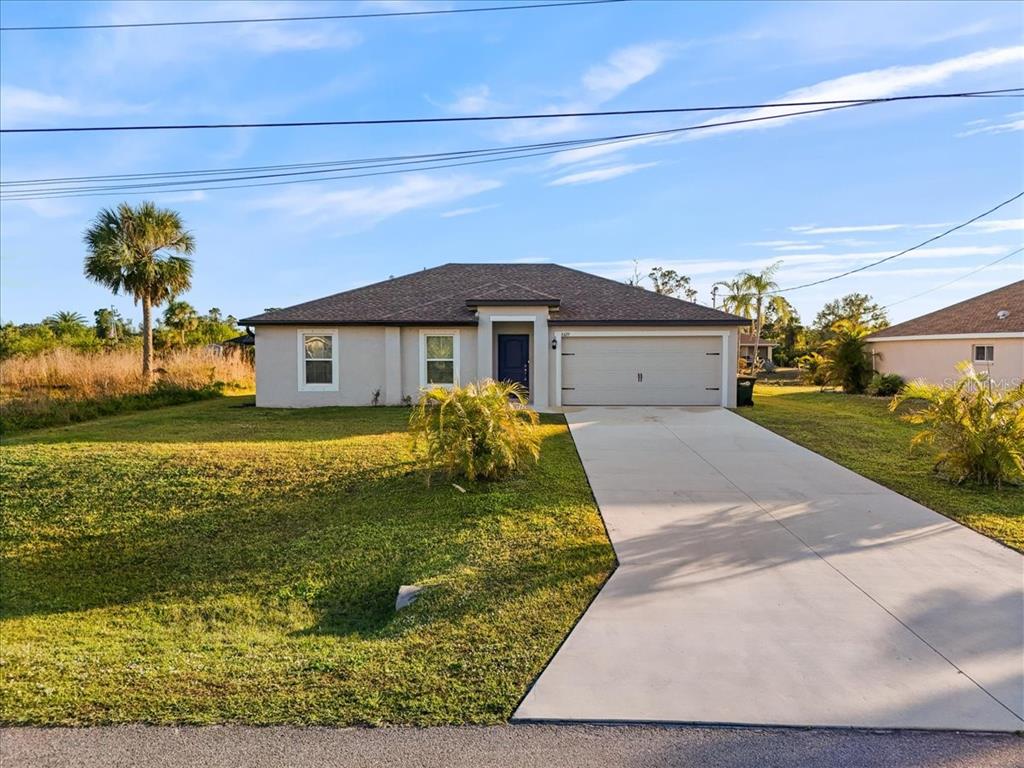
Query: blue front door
x: 514, y: 358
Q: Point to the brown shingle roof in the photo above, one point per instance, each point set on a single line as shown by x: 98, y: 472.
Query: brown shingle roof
x: 439, y: 296
x: 978, y: 315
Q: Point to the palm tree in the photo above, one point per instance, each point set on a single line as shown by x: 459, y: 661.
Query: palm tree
x: 181, y: 317
x: 751, y: 294
x: 65, y: 322
x: 848, y: 362
x: 142, y: 251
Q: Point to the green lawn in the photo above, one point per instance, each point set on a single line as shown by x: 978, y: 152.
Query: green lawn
x: 216, y: 563
x: 859, y: 432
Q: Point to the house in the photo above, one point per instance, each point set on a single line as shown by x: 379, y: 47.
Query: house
x: 569, y: 337
x: 764, y: 348
x: 987, y: 330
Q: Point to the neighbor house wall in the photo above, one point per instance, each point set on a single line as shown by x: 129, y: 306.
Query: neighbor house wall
x: 934, y: 360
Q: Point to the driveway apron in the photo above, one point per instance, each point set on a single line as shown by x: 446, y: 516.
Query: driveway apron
x: 760, y: 583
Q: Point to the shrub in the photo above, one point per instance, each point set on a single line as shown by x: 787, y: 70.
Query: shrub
x: 979, y: 432
x: 885, y: 384
x: 812, y: 369
x: 480, y: 431
x: 848, y: 364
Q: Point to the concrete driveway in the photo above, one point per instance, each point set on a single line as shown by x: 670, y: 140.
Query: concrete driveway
x: 760, y: 583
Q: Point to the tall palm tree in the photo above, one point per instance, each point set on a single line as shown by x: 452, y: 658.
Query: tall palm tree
x: 751, y: 294
x: 143, y: 252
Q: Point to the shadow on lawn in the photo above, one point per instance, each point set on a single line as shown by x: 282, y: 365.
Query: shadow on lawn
x: 340, y: 553
x: 226, y: 420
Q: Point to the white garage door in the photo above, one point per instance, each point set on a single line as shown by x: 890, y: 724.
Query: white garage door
x: 641, y: 370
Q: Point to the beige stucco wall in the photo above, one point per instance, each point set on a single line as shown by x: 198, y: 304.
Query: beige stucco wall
x: 361, y: 367
x: 935, y: 360
x: 411, y: 356
x: 388, y: 359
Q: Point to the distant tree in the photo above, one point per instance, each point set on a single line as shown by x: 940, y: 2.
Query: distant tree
x: 181, y: 317
x: 65, y: 323
x: 110, y: 325
x: 751, y: 295
x: 668, y: 282
x: 142, y: 251
x: 857, y: 307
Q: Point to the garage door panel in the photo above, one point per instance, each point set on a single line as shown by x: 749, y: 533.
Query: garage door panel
x: 641, y: 370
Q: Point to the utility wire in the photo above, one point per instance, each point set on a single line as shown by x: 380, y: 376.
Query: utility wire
x: 957, y: 280
x: 46, y: 194
x: 930, y: 240
x: 998, y: 93
x: 330, y: 17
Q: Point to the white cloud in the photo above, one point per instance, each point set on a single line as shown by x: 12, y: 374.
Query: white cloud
x: 873, y: 84
x: 25, y: 106
x: 798, y: 247
x: 998, y: 225
x: 472, y: 101
x: 601, y: 83
x: 599, y: 174
x: 816, y: 230
x: 625, y: 67
x: 987, y: 126
x: 137, y: 52
x: 366, y: 206
x: 466, y: 211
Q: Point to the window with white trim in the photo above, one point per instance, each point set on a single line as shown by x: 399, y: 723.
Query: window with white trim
x: 439, y: 353
x: 984, y: 353
x: 318, y: 361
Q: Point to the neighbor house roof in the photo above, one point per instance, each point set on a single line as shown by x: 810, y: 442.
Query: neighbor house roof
x: 448, y: 294
x: 748, y: 339
x: 998, y: 311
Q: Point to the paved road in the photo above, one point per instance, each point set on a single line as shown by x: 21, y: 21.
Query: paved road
x: 760, y: 583
x: 518, y: 746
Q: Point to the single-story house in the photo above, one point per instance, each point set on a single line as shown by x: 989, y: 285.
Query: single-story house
x: 987, y: 330
x: 764, y: 348
x: 568, y: 337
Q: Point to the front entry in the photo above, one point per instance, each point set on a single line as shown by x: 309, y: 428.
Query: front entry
x: 514, y: 358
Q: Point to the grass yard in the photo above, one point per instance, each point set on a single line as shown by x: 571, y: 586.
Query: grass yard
x: 213, y: 563
x: 859, y: 432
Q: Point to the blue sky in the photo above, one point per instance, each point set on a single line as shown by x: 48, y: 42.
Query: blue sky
x: 821, y: 193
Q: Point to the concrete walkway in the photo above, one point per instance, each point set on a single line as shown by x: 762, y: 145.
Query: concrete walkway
x: 760, y: 583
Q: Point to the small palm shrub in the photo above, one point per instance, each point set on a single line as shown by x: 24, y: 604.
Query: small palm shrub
x: 885, y: 384
x: 480, y: 431
x: 979, y: 431
x: 847, y: 361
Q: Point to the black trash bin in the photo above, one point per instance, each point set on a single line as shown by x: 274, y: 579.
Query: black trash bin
x: 745, y: 390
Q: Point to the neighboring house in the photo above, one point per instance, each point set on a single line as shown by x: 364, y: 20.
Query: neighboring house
x: 764, y: 348
x: 987, y: 330
x: 569, y: 337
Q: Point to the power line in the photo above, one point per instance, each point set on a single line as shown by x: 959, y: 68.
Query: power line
x: 957, y: 280
x: 330, y: 17
x: 47, y: 194
x: 509, y: 153
x: 906, y: 250
x: 998, y: 93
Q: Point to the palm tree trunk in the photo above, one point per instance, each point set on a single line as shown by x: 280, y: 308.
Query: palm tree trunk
x: 147, y: 340
x: 758, y: 323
